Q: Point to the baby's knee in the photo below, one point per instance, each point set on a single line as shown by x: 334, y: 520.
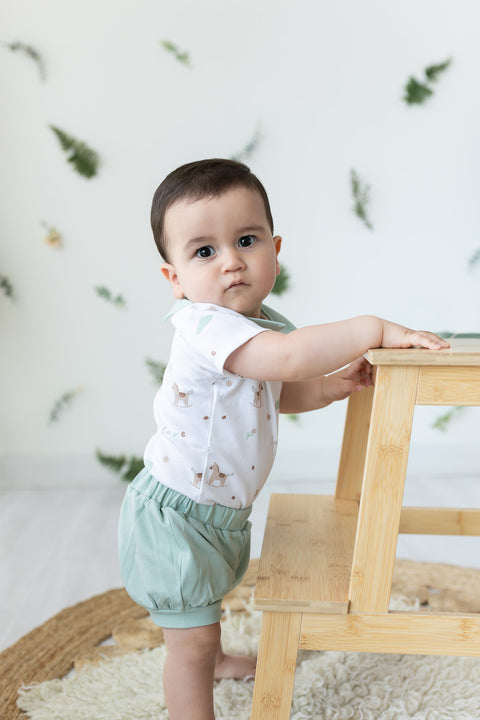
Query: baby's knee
x: 194, y: 645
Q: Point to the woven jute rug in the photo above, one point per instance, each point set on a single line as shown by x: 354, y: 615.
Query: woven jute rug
x: 72, y: 638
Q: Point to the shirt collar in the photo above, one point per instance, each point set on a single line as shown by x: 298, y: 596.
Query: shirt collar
x: 263, y: 322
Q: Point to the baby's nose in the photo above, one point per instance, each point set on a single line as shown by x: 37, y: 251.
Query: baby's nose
x: 232, y: 260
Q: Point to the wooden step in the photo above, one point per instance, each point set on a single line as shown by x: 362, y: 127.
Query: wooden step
x: 306, y: 557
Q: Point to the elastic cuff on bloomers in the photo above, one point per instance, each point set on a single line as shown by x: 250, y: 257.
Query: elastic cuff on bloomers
x: 196, y: 617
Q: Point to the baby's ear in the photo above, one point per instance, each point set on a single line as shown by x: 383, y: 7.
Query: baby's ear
x: 277, y: 240
x: 168, y: 272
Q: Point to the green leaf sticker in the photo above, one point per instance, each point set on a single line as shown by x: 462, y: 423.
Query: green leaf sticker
x: 83, y: 158
x: 417, y: 91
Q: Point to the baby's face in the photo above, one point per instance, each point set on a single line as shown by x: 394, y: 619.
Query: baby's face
x: 222, y: 251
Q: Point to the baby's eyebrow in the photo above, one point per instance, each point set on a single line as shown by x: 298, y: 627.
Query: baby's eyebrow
x: 250, y: 228
x: 198, y: 241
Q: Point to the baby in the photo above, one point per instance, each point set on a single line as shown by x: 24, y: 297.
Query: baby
x: 184, y: 535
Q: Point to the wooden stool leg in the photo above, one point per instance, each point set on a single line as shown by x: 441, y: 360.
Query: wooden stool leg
x: 382, y: 488
x: 277, y: 658
x: 354, y: 446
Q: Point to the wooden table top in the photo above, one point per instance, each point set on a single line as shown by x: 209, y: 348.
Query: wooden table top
x: 462, y: 352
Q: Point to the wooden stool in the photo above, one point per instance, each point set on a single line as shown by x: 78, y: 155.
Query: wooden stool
x: 326, y: 566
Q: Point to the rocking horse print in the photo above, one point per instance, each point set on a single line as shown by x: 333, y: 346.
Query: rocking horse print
x: 217, y: 478
x: 180, y: 398
x: 197, y: 479
x: 257, y: 395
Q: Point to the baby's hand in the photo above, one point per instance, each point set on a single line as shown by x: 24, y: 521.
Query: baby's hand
x: 344, y: 382
x: 397, y: 336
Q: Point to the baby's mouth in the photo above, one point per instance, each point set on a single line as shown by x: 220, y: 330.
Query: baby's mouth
x: 236, y: 283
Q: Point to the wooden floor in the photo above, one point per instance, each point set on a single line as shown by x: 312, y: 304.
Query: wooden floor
x: 58, y: 544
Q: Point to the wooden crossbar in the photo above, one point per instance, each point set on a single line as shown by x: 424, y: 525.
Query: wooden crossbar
x: 440, y: 521
x: 449, y: 386
x: 394, y: 632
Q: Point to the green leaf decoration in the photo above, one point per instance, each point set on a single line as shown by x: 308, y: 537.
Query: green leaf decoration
x: 157, y: 370
x: 7, y: 288
x: 361, y: 197
x: 83, y: 158
x: 31, y: 53
x: 293, y: 418
x: 417, y: 92
x: 127, y: 467
x: 474, y: 259
x: 442, y: 422
x: 282, y: 283
x: 447, y: 335
x: 179, y: 55
x: 118, y: 301
x: 433, y: 71
x: 250, y: 147
x: 62, y: 403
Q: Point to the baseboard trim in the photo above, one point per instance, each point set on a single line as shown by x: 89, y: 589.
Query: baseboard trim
x: 425, y: 460
x: 308, y: 465
x: 45, y: 471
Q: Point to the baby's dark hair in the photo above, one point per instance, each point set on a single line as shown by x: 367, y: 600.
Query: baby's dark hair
x: 198, y: 180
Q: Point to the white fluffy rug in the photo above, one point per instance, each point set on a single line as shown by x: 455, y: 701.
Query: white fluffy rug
x: 328, y: 686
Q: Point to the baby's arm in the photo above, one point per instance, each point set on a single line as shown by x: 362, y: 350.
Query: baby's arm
x: 313, y: 394
x: 317, y: 350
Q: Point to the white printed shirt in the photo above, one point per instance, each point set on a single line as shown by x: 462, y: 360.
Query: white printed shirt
x: 216, y: 435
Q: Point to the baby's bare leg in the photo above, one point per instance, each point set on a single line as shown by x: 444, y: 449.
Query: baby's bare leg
x: 189, y: 671
x: 194, y: 660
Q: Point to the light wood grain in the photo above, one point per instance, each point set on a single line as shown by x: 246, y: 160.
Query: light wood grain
x: 307, y: 544
x: 382, y: 488
x: 277, y: 657
x: 412, y: 633
x: 462, y: 352
x: 306, y: 556
x: 440, y: 521
x: 354, y: 445
x: 446, y: 385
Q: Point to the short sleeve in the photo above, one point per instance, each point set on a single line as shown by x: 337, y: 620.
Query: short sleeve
x: 214, y: 331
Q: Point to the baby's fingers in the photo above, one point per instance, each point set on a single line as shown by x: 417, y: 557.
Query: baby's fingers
x: 360, y: 365
x: 421, y: 338
x: 360, y: 371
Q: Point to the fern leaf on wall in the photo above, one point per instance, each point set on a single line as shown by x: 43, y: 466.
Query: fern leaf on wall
x: 416, y: 91
x: 62, y: 403
x: 127, y: 467
x: 30, y: 52
x: 7, y: 287
x: 282, y: 283
x: 117, y: 300
x: 250, y: 147
x: 181, y: 56
x: 80, y: 155
x: 361, y: 198
x: 157, y: 370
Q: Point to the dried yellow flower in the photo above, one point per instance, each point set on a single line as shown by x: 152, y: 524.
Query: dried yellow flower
x: 53, y: 238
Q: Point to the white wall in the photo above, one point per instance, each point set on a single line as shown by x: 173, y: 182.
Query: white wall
x: 324, y: 80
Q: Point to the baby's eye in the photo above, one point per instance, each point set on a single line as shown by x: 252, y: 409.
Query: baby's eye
x: 205, y: 252
x: 247, y: 241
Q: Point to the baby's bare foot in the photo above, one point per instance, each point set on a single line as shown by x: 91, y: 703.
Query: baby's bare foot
x: 236, y: 667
